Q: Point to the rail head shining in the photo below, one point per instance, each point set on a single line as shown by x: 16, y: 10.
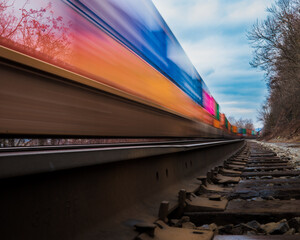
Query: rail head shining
x: 21, y: 162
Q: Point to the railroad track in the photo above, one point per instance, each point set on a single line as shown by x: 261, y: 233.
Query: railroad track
x: 254, y: 195
x: 98, y: 191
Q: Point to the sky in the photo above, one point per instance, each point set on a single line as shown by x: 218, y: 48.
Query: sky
x: 213, y: 35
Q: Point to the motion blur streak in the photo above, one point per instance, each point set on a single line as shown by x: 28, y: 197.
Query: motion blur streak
x: 124, y: 44
x: 81, y: 46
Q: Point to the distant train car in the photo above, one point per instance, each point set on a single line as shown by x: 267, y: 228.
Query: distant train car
x: 235, y: 129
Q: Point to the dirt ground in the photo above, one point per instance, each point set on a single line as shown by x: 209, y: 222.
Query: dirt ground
x: 289, y: 133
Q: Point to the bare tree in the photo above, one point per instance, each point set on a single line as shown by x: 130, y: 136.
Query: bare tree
x: 37, y: 30
x: 242, y: 122
x: 276, y: 44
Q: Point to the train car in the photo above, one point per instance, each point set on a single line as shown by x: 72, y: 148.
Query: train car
x: 217, y: 111
x: 112, y: 43
x: 235, y: 129
x: 122, y: 44
x: 222, y: 120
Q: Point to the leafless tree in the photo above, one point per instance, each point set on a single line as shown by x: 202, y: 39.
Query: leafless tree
x: 35, y: 30
x: 276, y: 44
x: 242, y: 122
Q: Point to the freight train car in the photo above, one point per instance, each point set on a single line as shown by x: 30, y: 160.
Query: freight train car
x: 122, y: 44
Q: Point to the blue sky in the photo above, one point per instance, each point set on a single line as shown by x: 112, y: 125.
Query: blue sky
x: 213, y: 34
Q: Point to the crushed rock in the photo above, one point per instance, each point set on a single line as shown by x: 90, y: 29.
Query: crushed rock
x: 287, y: 150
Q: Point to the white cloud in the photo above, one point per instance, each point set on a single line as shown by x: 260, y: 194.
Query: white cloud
x: 203, y: 13
x: 239, y: 110
x: 214, y: 52
x: 196, y: 13
x: 232, y: 103
x: 247, y: 10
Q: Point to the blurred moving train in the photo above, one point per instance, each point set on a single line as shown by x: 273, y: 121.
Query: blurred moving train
x: 124, y: 44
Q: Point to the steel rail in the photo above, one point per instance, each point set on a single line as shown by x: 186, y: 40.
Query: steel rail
x: 101, y: 145
x: 20, y: 163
